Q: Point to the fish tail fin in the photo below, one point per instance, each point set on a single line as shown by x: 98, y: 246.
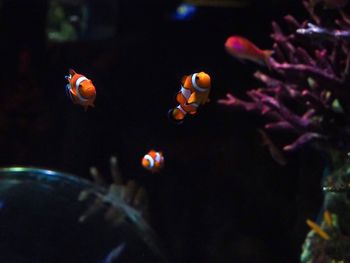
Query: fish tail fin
x: 176, y: 115
x: 267, y: 56
x: 264, y: 137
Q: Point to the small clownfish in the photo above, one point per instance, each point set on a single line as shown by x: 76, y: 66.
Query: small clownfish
x: 80, y: 89
x: 194, y: 91
x: 153, y: 161
x: 242, y: 48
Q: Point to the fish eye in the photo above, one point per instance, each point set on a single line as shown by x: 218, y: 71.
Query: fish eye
x: 197, y: 78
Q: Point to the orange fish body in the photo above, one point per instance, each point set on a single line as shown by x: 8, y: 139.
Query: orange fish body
x: 80, y: 89
x: 194, y: 91
x: 242, y: 48
x: 153, y: 161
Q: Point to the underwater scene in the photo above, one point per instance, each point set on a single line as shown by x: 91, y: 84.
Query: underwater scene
x: 180, y: 131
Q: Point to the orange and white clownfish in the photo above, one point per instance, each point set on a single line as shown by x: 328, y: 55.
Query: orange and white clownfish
x: 194, y: 91
x: 80, y: 89
x: 153, y: 161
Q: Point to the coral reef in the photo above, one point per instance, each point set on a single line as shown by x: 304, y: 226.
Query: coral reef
x: 118, y: 193
x: 307, y: 95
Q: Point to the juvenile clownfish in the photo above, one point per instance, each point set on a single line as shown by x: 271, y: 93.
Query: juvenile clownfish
x: 80, y: 89
x: 194, y: 91
x: 242, y: 48
x: 153, y: 161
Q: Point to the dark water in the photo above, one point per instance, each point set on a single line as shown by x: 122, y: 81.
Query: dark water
x: 39, y: 212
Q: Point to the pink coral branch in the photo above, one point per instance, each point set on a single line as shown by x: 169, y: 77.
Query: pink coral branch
x: 322, y: 57
x: 296, y: 121
x: 267, y: 79
x: 277, y: 34
x: 314, y: 100
x: 310, y: 7
x: 278, y: 53
x: 302, y: 140
x: 280, y: 125
x: 292, y: 22
x: 237, y: 103
x: 302, y: 68
x: 305, y: 57
x: 309, y: 114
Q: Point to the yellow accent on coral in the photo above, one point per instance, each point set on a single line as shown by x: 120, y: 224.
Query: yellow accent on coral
x: 328, y: 218
x: 317, y: 229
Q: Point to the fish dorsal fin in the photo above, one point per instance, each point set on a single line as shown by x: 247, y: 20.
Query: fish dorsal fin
x: 183, y: 79
x: 72, y: 72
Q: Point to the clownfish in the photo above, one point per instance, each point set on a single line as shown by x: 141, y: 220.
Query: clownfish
x: 153, y: 161
x: 80, y: 89
x: 242, y: 48
x: 194, y: 91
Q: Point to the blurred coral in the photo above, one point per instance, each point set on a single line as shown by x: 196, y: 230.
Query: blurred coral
x: 307, y: 94
x: 128, y: 194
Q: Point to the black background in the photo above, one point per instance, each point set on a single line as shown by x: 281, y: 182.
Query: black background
x: 220, y: 197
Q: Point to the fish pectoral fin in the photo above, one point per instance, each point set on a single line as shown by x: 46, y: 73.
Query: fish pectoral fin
x: 193, y: 98
x: 183, y: 79
x: 180, y: 98
x: 198, y: 98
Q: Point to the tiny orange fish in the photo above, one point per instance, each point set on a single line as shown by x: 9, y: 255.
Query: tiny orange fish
x: 194, y: 91
x: 242, y: 48
x: 317, y: 229
x: 153, y: 161
x: 80, y: 89
x: 327, y: 216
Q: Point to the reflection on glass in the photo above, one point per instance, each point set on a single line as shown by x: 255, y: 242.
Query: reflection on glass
x: 70, y: 21
x: 39, y: 222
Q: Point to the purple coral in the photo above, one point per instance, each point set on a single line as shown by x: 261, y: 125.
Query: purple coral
x: 307, y: 92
